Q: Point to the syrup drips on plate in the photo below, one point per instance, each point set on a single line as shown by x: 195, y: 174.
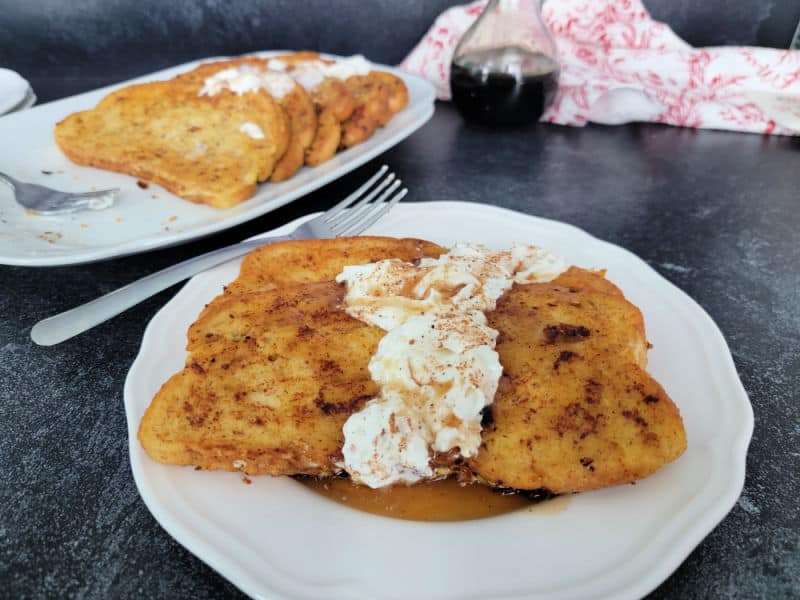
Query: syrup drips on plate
x: 444, y: 500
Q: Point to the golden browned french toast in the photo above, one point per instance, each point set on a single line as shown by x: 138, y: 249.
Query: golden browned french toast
x: 271, y: 378
x: 297, y: 103
x: 398, y: 92
x: 303, y: 121
x: 330, y: 94
x: 276, y: 367
x: 575, y: 409
x: 214, y: 148
x: 192, y: 145
x: 371, y: 112
x: 379, y: 96
x: 326, y: 139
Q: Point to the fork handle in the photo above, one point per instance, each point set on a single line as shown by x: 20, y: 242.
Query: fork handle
x: 68, y: 324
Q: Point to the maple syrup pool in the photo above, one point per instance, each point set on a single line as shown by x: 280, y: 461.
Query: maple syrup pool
x: 444, y: 500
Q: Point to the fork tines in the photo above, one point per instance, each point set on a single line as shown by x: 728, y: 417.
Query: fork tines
x: 367, y: 204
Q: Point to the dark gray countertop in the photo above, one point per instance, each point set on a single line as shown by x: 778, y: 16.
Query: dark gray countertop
x: 716, y: 213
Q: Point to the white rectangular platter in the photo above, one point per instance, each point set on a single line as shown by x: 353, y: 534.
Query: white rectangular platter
x: 146, y: 218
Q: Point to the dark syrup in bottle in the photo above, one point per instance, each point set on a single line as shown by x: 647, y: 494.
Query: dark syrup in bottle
x: 503, y: 86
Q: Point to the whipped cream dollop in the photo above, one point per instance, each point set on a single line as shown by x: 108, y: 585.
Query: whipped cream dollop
x: 248, y: 78
x: 436, y: 367
x: 102, y: 201
x: 310, y: 73
x: 252, y: 129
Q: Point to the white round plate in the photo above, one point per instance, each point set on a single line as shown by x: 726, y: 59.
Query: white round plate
x: 277, y: 539
x: 13, y: 90
x: 144, y: 218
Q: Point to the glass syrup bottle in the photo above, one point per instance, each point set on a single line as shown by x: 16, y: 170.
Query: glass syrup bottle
x: 505, y: 68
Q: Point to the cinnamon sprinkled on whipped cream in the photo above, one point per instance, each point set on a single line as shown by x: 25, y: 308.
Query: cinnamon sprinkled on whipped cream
x: 436, y: 366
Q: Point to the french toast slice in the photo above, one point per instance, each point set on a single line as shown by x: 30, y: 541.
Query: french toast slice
x: 271, y: 379
x: 379, y: 96
x: 371, y: 112
x: 326, y: 139
x: 396, y: 87
x: 296, y: 103
x: 193, y: 146
x: 575, y: 409
x: 276, y: 367
x: 332, y: 95
x: 303, y: 121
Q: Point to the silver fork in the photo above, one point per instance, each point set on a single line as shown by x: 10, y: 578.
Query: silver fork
x: 351, y: 216
x: 47, y: 201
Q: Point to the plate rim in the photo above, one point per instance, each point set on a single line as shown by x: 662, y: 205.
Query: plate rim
x: 682, y: 540
x: 419, y: 116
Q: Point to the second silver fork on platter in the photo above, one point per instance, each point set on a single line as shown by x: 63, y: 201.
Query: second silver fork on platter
x: 349, y: 217
x: 47, y: 201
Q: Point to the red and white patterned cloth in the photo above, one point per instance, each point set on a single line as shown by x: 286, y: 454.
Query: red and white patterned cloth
x: 619, y: 65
